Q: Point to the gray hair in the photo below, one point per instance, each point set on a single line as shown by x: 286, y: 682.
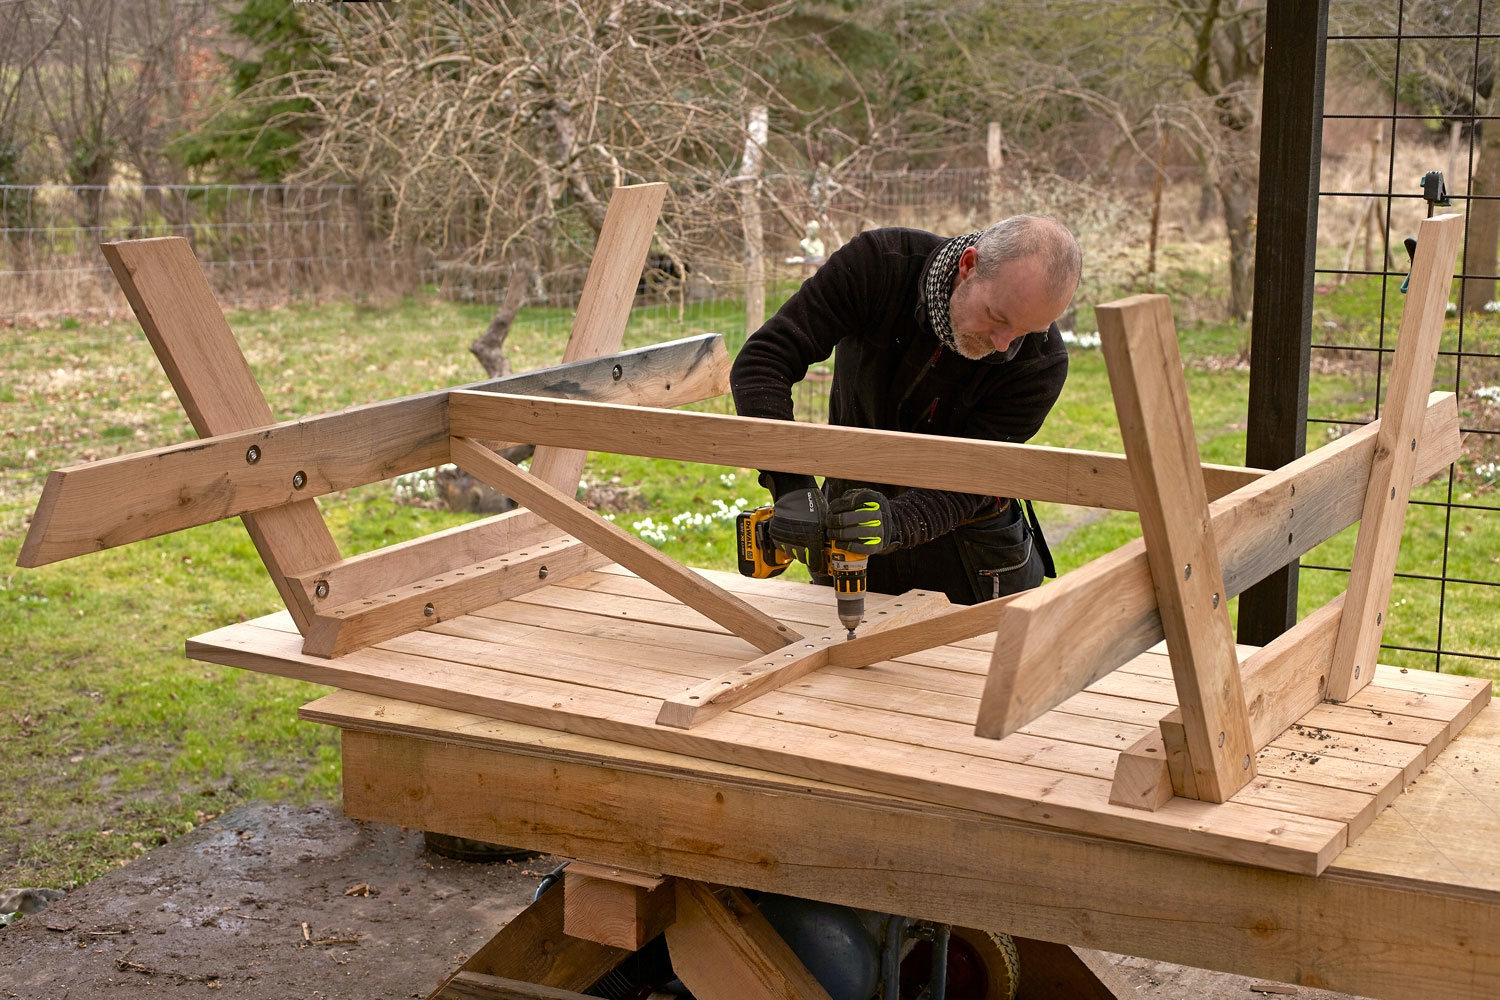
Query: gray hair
x: 1039, y: 236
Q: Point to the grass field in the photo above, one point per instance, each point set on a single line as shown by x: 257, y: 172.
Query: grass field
x: 112, y: 742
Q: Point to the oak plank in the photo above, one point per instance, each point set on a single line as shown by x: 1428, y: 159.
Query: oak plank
x: 723, y: 949
x: 113, y: 501
x: 1060, y: 475
x: 182, y: 320
x: 1372, y: 571
x: 477, y: 986
x: 603, y: 307
x: 621, y: 546
x: 1105, y: 612
x: 620, y: 909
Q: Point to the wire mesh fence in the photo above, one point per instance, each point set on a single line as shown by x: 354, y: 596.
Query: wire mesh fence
x: 1430, y: 109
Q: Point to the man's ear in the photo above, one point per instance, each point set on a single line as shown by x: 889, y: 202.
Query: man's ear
x: 966, y: 263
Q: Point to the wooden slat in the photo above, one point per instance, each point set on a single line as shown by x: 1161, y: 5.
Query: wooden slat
x: 1105, y: 612
x: 182, y: 320
x: 1139, y: 342
x: 604, y: 306
x: 1059, y: 475
x: 124, y: 499
x: 1373, y: 568
x: 342, y: 629
x: 723, y: 949
x: 750, y: 680
x: 619, y: 545
x: 477, y: 986
x: 965, y: 779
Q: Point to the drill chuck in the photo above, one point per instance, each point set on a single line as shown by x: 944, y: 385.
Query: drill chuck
x: 849, y: 579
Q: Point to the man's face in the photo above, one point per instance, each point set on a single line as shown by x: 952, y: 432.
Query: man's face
x: 989, y: 313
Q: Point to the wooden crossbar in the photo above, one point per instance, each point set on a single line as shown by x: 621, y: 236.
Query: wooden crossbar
x: 1139, y: 341
x: 1058, y: 475
x: 114, y: 501
x: 1105, y: 612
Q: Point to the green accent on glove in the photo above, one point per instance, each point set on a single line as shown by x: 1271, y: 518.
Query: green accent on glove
x: 860, y: 523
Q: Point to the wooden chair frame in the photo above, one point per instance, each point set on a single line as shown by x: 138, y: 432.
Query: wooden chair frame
x: 1209, y: 531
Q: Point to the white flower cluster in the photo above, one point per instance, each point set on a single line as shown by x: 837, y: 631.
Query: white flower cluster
x: 688, y: 522
x: 1488, y: 393
x: 419, y: 485
x: 1075, y: 340
x: 1489, y: 471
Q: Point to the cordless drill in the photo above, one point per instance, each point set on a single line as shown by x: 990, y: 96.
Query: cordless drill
x: 761, y: 558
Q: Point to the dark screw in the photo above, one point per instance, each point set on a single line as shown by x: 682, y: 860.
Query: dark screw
x: 1356, y: 670
x: 1413, y: 444
x: 321, y: 589
x: 541, y: 574
x: 428, y: 610
x: 1216, y: 600
x: 1246, y: 765
x: 616, y: 372
x: 1379, y: 617
x: 252, y: 454
x: 1187, y: 572
x: 1393, y: 492
x: 299, y: 480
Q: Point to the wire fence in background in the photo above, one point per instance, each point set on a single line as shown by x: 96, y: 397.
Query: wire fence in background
x: 1448, y: 120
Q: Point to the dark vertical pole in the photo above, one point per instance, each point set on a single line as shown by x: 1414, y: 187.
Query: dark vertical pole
x: 1291, y: 149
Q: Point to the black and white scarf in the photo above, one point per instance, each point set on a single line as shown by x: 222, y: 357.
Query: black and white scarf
x: 937, y: 289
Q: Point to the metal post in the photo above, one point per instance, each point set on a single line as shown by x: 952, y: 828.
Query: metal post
x: 1285, y: 255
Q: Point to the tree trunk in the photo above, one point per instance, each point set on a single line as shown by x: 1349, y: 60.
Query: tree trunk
x: 490, y: 348
x: 755, y: 255
x: 1484, y: 223
x: 1238, y: 194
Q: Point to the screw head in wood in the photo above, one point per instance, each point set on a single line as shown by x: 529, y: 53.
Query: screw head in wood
x: 1216, y: 600
x: 1356, y: 670
x: 299, y: 479
x: 1393, y: 492
x: 1221, y: 739
x: 252, y: 455
x: 1246, y: 765
x: 616, y: 372
x: 321, y: 589
x: 1379, y: 617
x: 541, y: 573
x: 1413, y: 444
x: 1187, y: 571
x: 428, y: 610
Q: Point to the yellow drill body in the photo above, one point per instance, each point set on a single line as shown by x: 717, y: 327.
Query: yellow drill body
x: 759, y: 557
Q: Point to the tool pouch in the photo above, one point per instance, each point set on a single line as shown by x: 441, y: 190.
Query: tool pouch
x: 1004, y: 553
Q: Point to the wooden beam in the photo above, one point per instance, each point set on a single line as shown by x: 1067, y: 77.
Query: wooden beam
x: 1051, y: 970
x: 1059, y: 475
x: 622, y: 909
x: 476, y: 986
x: 1141, y: 778
x: 744, y: 620
x: 750, y: 680
x: 114, y: 501
x: 1374, y: 566
x: 1139, y: 341
x: 397, y: 610
x: 182, y: 320
x: 1106, y: 611
x: 723, y: 949
x: 604, y: 306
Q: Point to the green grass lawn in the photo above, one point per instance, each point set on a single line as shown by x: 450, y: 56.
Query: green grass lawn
x: 112, y: 742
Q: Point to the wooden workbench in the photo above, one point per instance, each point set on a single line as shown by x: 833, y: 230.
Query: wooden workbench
x: 1411, y: 910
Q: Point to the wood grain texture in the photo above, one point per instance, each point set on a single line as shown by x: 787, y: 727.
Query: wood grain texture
x: 127, y: 498
x: 606, y: 908
x: 187, y: 330
x: 1373, y: 568
x: 723, y: 949
x: 476, y: 986
x: 1141, y: 779
x: 739, y: 617
x: 1139, y: 342
x: 1105, y: 612
x: 1412, y: 920
x: 1090, y: 479
x: 604, y: 306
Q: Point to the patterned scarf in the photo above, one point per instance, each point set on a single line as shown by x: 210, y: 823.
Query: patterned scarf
x: 937, y: 289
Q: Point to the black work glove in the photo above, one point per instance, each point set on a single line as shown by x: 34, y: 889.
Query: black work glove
x: 796, y: 525
x: 860, y: 522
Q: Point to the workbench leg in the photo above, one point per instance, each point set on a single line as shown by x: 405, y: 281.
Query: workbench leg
x: 1055, y: 970
x: 725, y: 950
x: 532, y: 948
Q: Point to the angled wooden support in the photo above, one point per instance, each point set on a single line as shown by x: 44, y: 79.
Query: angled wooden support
x: 128, y: 498
x: 998, y: 468
x: 477, y: 986
x: 744, y: 620
x: 1139, y: 342
x: 1106, y: 611
x: 187, y: 330
x: 723, y: 949
x: 604, y: 306
x: 612, y: 906
x: 1385, y: 497
x: 762, y: 675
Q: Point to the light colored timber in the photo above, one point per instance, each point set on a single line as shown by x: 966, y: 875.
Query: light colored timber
x: 892, y: 762
x: 477, y: 986
x: 385, y: 614
x: 1059, y: 475
x: 1372, y: 571
x: 749, y: 680
x: 186, y: 328
x: 603, y: 307
x: 743, y: 619
x: 723, y: 949
x: 1139, y: 341
x: 1141, y: 779
x: 620, y: 909
x: 124, y: 499
x: 1416, y: 917
x: 1104, y: 613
